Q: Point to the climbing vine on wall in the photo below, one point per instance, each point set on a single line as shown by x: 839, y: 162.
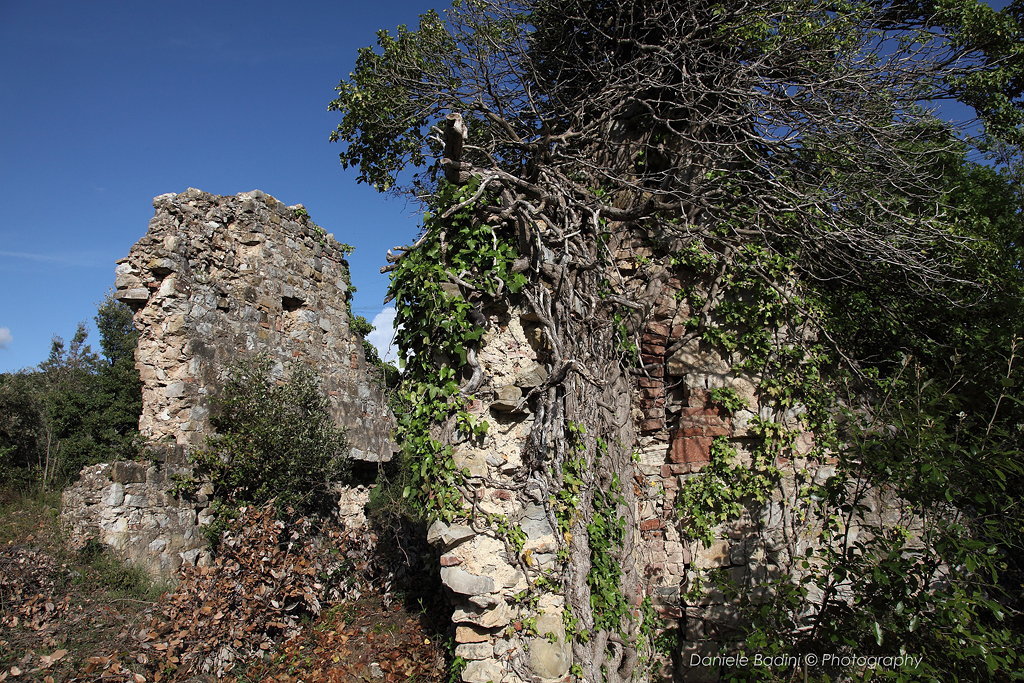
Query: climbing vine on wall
x: 458, y: 256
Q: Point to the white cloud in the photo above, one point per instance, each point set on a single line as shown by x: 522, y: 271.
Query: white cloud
x: 5, y: 337
x: 383, y: 335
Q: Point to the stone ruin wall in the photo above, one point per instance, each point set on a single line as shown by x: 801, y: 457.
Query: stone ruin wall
x: 674, y: 424
x: 218, y: 278
x: 128, y: 507
x: 213, y: 280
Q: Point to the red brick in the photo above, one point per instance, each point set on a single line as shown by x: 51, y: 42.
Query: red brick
x: 649, y: 359
x: 721, y: 429
x: 684, y: 432
x: 651, y: 425
x: 450, y: 560
x: 651, y: 338
x: 653, y: 350
x: 654, y: 328
x: 650, y: 524
x: 652, y: 403
x: 666, y: 472
x: 652, y: 392
x: 701, y: 411
x: 649, y: 383
x: 656, y: 370
x: 690, y: 449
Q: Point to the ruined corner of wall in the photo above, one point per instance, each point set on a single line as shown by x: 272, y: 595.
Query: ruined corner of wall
x: 216, y: 279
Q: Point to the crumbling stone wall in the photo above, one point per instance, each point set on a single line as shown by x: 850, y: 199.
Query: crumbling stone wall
x: 131, y: 507
x: 127, y: 506
x: 217, y: 278
x: 485, y: 575
x: 506, y: 638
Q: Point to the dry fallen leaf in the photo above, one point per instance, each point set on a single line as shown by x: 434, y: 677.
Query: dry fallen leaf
x: 48, y: 660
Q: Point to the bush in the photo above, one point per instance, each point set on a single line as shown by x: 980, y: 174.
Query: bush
x: 274, y: 441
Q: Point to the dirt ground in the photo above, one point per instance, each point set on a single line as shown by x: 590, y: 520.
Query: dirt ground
x: 83, y: 616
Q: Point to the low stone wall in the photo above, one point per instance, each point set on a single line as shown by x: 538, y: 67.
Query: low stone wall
x: 126, y: 505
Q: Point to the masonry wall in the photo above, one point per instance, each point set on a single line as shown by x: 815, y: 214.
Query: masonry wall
x: 216, y: 279
x: 130, y: 506
x: 219, y: 278
x: 675, y: 422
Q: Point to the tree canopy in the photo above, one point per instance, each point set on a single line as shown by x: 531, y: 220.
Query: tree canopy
x: 791, y: 154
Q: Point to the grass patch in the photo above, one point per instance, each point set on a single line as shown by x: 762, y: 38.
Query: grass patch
x: 29, y: 516
x: 113, y: 574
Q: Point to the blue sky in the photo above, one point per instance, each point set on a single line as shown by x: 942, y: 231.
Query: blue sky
x: 105, y: 105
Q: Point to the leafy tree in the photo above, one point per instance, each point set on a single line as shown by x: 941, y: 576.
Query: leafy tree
x: 70, y: 405
x: 77, y: 408
x: 118, y: 380
x: 274, y: 441
x: 21, y: 425
x: 786, y: 151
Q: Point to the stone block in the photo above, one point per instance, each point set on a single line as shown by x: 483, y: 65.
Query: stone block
x: 461, y: 581
x: 550, y: 659
x: 658, y: 329
x: 652, y: 425
x: 483, y: 671
x: 128, y: 472
x: 497, y: 617
x: 474, y: 651
x: 507, y: 398
x: 134, y: 297
x: 113, y: 495
x: 450, y: 560
x: 470, y: 633
x: 471, y: 459
x: 715, y: 555
x: 531, y: 376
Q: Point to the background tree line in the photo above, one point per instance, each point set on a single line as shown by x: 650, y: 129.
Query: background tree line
x: 77, y: 408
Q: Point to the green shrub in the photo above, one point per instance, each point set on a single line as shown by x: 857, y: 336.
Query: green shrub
x: 274, y: 441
